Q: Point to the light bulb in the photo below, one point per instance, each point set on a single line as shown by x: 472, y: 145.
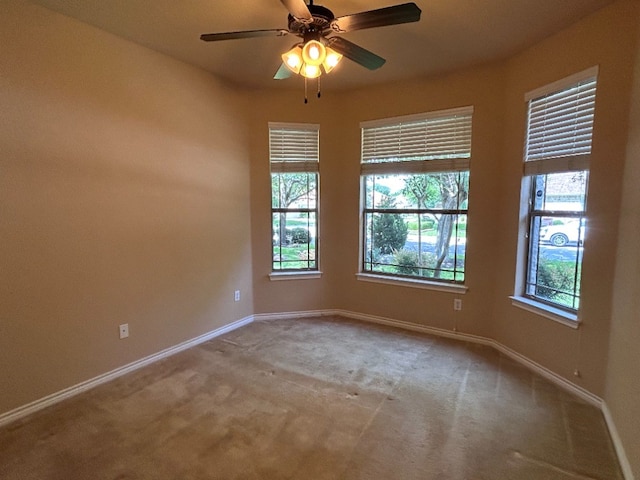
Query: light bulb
x: 310, y: 71
x: 293, y: 59
x: 314, y: 53
x: 332, y: 59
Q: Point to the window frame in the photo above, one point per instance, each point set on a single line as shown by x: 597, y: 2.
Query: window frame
x: 442, y: 159
x: 568, y: 160
x: 295, y: 156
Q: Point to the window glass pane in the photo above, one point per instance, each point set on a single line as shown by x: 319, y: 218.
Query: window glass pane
x: 293, y: 190
x: 557, y: 232
x: 560, y: 192
x: 555, y: 275
x: 443, y: 190
x: 294, y: 240
x: 294, y: 222
x: 425, y: 236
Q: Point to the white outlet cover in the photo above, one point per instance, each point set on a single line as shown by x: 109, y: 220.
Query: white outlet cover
x: 124, y: 330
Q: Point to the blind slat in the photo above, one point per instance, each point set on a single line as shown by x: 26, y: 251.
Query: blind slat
x: 560, y: 123
x: 431, y: 137
x: 295, y: 145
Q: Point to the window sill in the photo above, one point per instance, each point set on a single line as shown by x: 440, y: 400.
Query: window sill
x: 547, y: 311
x: 408, y: 282
x: 277, y: 276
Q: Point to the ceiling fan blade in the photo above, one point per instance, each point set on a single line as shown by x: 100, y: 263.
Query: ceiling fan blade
x: 298, y: 10
x: 214, y: 37
x: 405, y: 13
x: 282, y: 73
x: 358, y: 54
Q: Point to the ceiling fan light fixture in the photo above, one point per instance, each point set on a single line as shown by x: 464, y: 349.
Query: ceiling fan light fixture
x: 314, y: 53
x: 310, y: 71
x: 293, y: 59
x: 317, y: 26
x: 331, y: 60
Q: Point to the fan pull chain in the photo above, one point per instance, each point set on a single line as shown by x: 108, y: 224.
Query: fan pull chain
x: 306, y: 100
x: 318, y: 87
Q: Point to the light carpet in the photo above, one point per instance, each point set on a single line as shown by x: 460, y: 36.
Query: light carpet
x: 317, y: 398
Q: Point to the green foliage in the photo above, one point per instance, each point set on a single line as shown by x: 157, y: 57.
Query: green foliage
x: 294, y: 257
x: 298, y: 235
x: 426, y: 224
x: 422, y: 190
x: 408, y: 263
x: 389, y: 230
x: 288, y: 188
x: 555, y: 279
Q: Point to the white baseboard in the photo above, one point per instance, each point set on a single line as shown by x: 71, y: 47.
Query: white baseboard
x: 617, y: 443
x: 266, y: 317
x: 54, y: 398
x: 530, y: 364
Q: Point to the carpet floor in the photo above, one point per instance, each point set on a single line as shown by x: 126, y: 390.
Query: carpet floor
x: 317, y: 398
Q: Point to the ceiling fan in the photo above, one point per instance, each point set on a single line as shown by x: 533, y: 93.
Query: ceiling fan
x: 320, y: 49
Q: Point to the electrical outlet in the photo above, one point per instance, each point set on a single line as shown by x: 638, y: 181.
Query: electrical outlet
x: 457, y: 304
x: 124, y: 330
x: 236, y: 296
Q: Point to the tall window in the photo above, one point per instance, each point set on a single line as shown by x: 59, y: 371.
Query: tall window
x: 294, y: 153
x: 415, y: 184
x: 558, y: 144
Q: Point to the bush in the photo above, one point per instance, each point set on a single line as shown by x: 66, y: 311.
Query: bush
x: 427, y: 224
x: 555, y: 279
x: 298, y: 235
x: 389, y: 230
x: 408, y: 263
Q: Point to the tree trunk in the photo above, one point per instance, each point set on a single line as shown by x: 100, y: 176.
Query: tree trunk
x: 445, y: 229
x: 283, y: 229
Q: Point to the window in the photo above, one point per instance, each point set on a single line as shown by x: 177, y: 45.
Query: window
x: 415, y: 185
x: 294, y: 153
x: 556, y: 168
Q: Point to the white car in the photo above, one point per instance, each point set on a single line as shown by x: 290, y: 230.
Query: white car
x: 560, y: 235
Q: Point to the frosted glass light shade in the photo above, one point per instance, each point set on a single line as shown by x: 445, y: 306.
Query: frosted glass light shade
x: 332, y: 59
x: 314, y: 53
x: 310, y: 71
x: 293, y: 59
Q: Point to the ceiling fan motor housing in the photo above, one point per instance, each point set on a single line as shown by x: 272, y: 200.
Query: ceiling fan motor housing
x: 322, y: 18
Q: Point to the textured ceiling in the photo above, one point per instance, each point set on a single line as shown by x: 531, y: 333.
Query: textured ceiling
x: 452, y: 34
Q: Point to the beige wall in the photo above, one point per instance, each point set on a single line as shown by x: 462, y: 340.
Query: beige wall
x: 288, y: 106
x: 124, y: 198
x: 339, y: 116
x: 497, y: 93
x: 623, y: 381
x: 124, y: 181
x: 482, y: 88
x: 606, y: 39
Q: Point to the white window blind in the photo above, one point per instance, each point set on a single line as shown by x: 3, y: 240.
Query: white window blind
x: 560, y: 128
x: 293, y: 147
x: 434, y: 141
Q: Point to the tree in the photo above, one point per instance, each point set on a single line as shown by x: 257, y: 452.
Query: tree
x: 444, y: 191
x: 286, y: 190
x: 389, y: 229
